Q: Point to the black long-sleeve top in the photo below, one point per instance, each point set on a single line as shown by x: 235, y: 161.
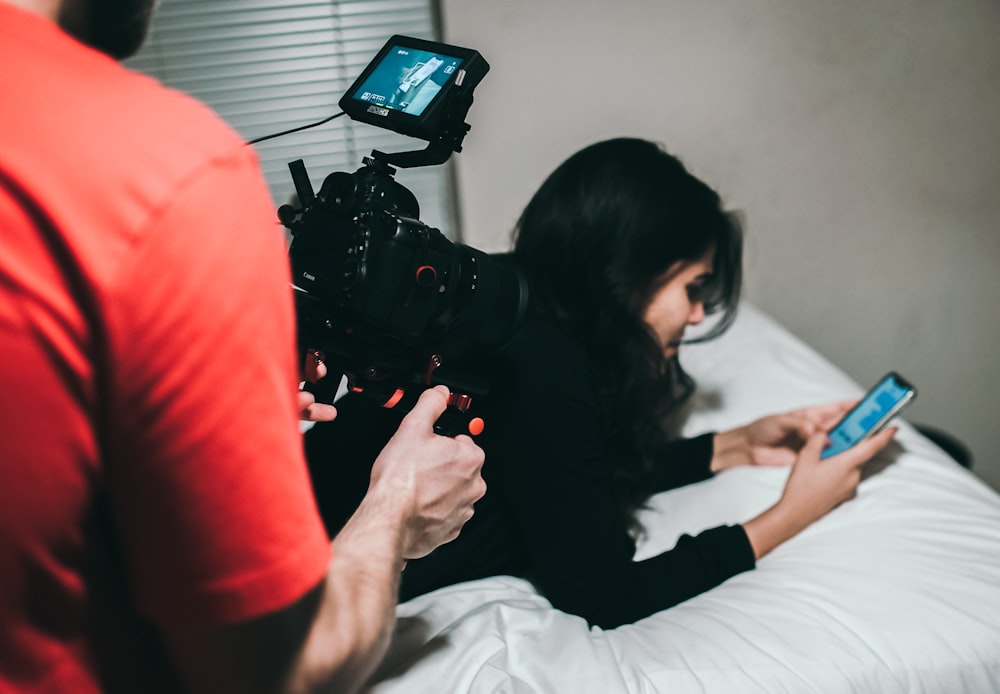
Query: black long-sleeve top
x: 549, y: 513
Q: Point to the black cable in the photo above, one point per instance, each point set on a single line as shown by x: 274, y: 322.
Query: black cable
x: 295, y: 130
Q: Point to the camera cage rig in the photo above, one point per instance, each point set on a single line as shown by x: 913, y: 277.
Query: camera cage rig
x: 387, y: 299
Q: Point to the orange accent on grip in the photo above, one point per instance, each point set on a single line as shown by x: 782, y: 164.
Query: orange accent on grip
x: 394, y: 399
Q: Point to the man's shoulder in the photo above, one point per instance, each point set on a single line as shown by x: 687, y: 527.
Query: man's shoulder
x: 103, y: 150
x: 81, y: 110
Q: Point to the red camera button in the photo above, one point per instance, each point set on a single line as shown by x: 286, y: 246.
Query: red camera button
x: 476, y: 426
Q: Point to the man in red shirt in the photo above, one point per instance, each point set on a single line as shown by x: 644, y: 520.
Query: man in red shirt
x: 156, y: 521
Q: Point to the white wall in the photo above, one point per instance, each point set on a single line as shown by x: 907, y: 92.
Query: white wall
x: 861, y: 139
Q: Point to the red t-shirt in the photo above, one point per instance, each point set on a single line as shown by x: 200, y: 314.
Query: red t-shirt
x: 151, y: 466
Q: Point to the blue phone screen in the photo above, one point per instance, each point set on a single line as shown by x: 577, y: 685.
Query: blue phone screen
x: 878, y: 403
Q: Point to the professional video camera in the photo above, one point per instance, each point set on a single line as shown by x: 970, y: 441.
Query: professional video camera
x: 389, y: 301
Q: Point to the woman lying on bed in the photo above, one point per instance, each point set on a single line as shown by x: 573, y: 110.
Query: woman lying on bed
x: 624, y: 249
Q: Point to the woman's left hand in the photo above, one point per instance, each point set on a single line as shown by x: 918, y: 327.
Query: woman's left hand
x: 775, y: 439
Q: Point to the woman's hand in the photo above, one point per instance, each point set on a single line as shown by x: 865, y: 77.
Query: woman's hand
x: 814, y: 487
x: 775, y: 439
x: 310, y: 410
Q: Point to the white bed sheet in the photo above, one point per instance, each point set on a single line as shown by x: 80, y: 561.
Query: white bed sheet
x: 897, y: 590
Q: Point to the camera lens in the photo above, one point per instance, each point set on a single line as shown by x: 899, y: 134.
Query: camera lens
x: 490, y: 305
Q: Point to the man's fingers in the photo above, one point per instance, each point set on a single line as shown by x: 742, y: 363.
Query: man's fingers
x: 429, y: 407
x: 312, y: 411
x: 315, y: 367
x: 320, y: 412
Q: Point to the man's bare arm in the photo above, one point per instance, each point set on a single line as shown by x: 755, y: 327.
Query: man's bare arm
x: 422, y: 492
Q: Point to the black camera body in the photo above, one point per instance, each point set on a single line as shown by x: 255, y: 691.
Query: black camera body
x: 389, y: 301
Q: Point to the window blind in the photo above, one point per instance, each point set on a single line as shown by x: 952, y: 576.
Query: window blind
x: 266, y: 66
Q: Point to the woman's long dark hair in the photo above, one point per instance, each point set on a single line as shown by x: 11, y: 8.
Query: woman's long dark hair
x: 594, y: 239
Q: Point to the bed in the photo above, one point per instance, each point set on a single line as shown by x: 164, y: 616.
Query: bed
x: 897, y: 590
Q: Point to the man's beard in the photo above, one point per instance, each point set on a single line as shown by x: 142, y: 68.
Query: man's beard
x: 114, y: 27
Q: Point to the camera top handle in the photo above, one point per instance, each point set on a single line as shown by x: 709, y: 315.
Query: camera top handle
x: 435, y: 153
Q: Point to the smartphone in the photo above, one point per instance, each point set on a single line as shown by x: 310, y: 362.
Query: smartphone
x: 883, y: 402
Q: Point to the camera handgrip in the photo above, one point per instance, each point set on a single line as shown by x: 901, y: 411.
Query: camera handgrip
x: 455, y: 421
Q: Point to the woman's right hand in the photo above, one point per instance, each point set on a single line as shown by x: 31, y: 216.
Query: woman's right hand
x: 814, y: 487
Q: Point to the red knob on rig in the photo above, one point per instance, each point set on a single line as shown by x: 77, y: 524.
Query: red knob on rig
x: 460, y: 401
x: 426, y: 276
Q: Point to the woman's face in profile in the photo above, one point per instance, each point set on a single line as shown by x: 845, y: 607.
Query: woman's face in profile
x: 676, y: 301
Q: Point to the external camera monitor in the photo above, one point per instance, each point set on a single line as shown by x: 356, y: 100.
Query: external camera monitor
x: 418, y: 88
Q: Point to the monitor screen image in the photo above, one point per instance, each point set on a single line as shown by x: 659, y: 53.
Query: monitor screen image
x: 407, y: 79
